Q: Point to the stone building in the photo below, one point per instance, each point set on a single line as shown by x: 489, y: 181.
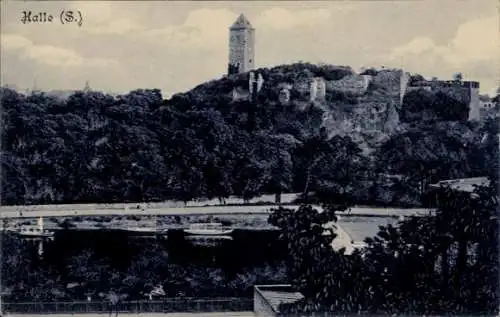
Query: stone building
x: 241, y: 46
x: 465, y: 91
x: 318, y: 89
x: 255, y: 83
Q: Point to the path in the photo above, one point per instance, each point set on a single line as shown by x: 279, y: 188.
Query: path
x: 191, y: 211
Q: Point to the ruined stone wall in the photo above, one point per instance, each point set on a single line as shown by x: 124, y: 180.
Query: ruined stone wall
x: 403, y: 85
x: 356, y: 84
x: 466, y: 92
x: 392, y: 81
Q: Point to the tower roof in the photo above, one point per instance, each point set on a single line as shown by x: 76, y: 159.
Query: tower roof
x: 241, y: 23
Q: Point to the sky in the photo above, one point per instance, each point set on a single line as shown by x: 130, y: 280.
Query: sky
x: 175, y: 46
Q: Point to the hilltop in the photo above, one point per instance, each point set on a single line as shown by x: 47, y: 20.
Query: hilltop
x: 363, y: 106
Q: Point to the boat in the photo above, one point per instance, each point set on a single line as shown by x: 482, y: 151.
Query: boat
x: 142, y: 229
x: 208, y: 229
x: 150, y: 230
x: 33, y: 231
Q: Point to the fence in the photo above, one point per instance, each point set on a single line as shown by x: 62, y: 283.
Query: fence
x: 153, y: 306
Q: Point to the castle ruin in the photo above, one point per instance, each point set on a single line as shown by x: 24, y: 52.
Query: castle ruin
x: 465, y: 91
x: 241, y: 46
x: 242, y: 60
x: 318, y: 89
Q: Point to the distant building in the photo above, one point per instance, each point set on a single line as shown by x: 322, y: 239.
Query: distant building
x: 462, y: 184
x: 241, y: 46
x: 465, y: 91
x: 249, y: 92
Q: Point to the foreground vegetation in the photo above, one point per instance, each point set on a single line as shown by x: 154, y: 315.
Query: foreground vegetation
x: 444, y: 264
x: 78, y: 265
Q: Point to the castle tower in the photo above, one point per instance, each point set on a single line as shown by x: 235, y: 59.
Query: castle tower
x: 241, y: 46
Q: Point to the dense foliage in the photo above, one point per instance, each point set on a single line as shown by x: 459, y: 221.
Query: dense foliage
x: 79, y: 265
x: 93, y: 147
x: 447, y: 263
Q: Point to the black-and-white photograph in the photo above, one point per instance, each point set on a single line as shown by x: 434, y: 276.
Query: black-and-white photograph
x: 249, y: 158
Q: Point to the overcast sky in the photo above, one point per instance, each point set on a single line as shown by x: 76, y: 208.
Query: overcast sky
x: 175, y: 46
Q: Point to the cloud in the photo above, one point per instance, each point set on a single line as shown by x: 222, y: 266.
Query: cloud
x: 476, y: 40
x: 207, y: 29
x: 14, y: 42
x: 47, y: 54
x: 203, y: 29
x: 283, y: 19
x: 117, y: 27
x: 106, y: 17
x: 474, y: 51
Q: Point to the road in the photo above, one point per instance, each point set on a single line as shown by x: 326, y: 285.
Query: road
x: 209, y: 210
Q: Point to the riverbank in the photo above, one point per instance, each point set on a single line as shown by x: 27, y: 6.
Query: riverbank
x: 211, y: 211
x: 158, y: 223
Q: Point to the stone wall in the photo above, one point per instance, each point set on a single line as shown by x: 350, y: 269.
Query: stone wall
x: 466, y: 92
x: 394, y: 82
x: 356, y: 84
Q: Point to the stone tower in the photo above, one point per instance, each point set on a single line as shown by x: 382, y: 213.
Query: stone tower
x: 241, y: 46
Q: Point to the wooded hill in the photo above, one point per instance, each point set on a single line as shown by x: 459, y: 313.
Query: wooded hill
x: 93, y: 147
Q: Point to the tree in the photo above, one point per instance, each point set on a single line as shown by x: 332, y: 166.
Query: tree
x: 458, y: 77
x: 308, y: 156
x: 422, y: 105
x: 329, y: 280
x: 424, y: 265
x: 427, y: 153
x: 441, y: 263
x: 275, y: 152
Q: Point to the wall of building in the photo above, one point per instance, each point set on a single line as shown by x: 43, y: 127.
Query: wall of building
x: 242, y: 49
x: 394, y: 82
x: 357, y: 84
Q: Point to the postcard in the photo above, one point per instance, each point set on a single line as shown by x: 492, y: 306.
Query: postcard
x: 249, y: 158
